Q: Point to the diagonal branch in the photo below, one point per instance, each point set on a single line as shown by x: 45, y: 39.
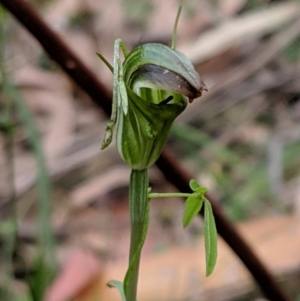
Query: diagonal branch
x: 60, y: 52
x: 167, y: 163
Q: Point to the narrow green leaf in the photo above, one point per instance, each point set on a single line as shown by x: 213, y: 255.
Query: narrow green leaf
x: 46, y: 264
x: 194, y: 185
x: 119, y: 286
x: 175, y: 28
x: 105, y: 61
x: 192, y: 206
x: 210, y: 237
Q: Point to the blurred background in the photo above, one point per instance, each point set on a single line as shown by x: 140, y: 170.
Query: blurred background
x: 61, y: 196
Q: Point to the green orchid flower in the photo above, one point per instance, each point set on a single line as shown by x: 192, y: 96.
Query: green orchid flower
x: 151, y: 88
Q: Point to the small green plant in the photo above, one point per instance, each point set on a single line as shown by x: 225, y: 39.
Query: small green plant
x: 151, y: 88
x: 44, y: 268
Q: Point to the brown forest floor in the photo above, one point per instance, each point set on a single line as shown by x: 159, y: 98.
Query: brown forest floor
x: 241, y: 140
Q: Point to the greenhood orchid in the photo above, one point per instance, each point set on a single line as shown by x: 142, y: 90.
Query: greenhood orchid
x: 151, y: 88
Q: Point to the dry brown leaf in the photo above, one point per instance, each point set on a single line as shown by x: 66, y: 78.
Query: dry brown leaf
x: 232, y: 32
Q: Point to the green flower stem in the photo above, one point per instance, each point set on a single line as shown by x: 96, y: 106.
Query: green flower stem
x: 139, y: 216
x: 168, y: 195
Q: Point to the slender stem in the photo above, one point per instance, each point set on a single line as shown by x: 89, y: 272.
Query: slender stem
x: 139, y: 215
x: 168, y: 195
x: 175, y: 28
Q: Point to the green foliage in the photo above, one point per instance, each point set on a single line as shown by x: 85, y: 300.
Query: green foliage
x: 8, y: 224
x: 210, y: 236
x: 45, y: 267
x: 193, y: 203
x: 43, y: 180
x: 242, y: 185
x: 192, y: 207
x: 42, y: 275
x: 7, y: 244
x: 14, y: 104
x: 119, y: 286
